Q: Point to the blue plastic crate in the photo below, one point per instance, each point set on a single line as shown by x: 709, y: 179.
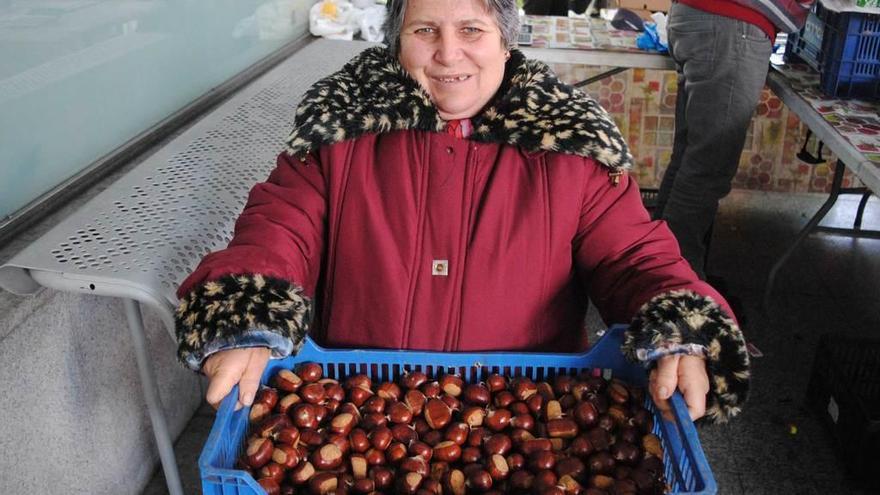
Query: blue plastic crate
x: 844, y: 47
x: 687, y: 470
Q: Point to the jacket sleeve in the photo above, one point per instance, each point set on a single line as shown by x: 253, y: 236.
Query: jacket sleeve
x: 634, y: 273
x: 261, y: 287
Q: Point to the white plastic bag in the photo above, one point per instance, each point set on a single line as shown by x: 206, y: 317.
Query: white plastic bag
x: 333, y: 19
x: 370, y: 22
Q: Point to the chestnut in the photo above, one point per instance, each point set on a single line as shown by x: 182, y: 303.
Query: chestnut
x: 398, y: 413
x: 652, y: 446
x: 601, y: 481
x: 599, y: 438
x: 408, y: 484
x: 271, y: 485
x: 618, y: 392
x: 259, y: 452
x: 451, y: 385
x: 447, y: 451
x: 503, y: 399
x: 272, y: 470
x: 358, y: 381
x: 569, y: 484
x: 381, y: 437
x: 313, y: 393
x: 498, y: 443
x: 359, y: 395
x: 328, y: 456
x: 359, y: 440
x: 601, y: 463
x: 304, y: 416
x: 454, y: 482
x: 523, y: 421
x: 570, y: 466
x: 287, y: 402
x: 302, y: 473
x: 420, y: 449
x: 334, y: 391
x: 477, y: 394
x: 496, y: 382
x: 535, y: 404
x: 404, y: 433
x: 457, y: 433
x: 395, y: 452
x: 310, y: 437
x: 342, y: 424
x: 552, y: 410
x: 286, y: 456
x: 288, y: 381
x: 521, y: 481
x: 497, y: 467
x: 372, y: 420
x: 544, y: 480
x: 259, y: 411
x: 375, y: 457
x: 523, y: 388
x: 413, y: 379
x: 374, y: 404
x: 497, y: 419
x: 516, y: 461
x: 382, y: 476
x: 479, y: 480
x: 359, y: 466
x: 323, y: 483
x: 415, y: 464
x: 415, y: 400
x: 364, y: 485
x: 473, y: 416
x: 581, y: 446
x: 388, y: 391
x: 562, y: 428
x: 625, y: 453
x: 288, y: 435
x: 431, y: 389
x: 470, y: 455
x: 562, y: 384
x: 310, y: 372
x: 541, y: 460
x: 451, y: 401
x: 546, y: 391
x: 437, y: 414
x: 270, y: 426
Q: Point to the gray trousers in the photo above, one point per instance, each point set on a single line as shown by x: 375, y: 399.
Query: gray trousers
x: 722, y: 65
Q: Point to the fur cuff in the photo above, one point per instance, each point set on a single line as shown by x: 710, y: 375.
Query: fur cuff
x: 234, y: 304
x: 682, y: 317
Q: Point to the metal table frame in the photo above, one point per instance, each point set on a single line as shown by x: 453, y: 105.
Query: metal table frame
x: 848, y: 157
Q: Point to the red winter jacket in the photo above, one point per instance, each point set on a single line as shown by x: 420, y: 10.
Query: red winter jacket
x: 387, y: 233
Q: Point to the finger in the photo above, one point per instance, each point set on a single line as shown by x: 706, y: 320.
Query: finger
x: 662, y: 404
x: 250, y: 379
x: 694, y: 385
x: 666, y: 378
x: 221, y: 384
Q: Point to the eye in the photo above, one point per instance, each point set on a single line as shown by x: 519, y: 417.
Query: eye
x: 425, y: 30
x: 470, y: 30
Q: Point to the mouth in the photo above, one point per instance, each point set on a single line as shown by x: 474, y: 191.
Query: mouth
x: 451, y: 79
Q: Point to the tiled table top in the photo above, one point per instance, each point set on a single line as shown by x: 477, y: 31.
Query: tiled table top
x: 856, y: 120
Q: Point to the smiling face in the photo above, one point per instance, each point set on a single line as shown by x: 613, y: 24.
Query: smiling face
x: 454, y: 49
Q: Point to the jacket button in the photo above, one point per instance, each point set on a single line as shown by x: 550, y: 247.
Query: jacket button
x: 449, y: 150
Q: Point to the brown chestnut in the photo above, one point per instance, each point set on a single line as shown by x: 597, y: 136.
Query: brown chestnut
x: 310, y: 372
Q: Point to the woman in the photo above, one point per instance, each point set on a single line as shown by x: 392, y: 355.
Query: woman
x: 444, y: 193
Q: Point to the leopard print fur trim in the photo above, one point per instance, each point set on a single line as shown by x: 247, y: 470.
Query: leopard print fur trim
x: 533, y: 110
x: 224, y: 308
x: 685, y: 317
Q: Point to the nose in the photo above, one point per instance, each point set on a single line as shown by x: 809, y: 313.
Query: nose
x: 449, y: 49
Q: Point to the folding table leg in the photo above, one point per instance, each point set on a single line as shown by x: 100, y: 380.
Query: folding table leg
x: 151, y: 394
x: 823, y: 210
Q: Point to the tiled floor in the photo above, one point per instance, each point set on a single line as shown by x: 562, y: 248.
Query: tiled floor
x: 830, y: 285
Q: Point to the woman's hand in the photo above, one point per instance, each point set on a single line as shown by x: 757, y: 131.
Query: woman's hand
x: 225, y: 369
x: 688, y: 373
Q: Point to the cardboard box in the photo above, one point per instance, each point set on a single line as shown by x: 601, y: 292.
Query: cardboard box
x: 652, y: 5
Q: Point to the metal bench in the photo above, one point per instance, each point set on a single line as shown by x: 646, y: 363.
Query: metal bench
x: 140, y: 237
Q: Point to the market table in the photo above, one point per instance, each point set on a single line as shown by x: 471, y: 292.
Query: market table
x: 849, y: 128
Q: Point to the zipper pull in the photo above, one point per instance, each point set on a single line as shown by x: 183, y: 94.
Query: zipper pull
x: 614, y: 176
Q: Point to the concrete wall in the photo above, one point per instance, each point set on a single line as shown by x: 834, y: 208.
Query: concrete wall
x: 73, y: 415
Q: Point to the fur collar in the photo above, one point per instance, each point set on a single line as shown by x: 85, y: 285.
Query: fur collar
x: 534, y: 110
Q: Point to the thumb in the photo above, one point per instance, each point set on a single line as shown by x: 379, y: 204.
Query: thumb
x: 220, y: 384
x: 665, y: 380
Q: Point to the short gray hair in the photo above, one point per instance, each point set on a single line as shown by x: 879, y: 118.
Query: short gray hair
x: 506, y: 15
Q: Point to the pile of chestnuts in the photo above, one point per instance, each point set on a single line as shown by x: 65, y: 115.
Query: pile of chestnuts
x: 570, y: 435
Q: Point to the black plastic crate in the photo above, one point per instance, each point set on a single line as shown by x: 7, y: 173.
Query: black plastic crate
x: 844, y: 47
x: 844, y: 391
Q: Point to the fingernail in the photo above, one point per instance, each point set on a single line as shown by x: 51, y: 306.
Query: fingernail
x: 664, y: 392
x: 248, y: 399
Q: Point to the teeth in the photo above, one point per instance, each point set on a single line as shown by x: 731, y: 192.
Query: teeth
x: 452, y: 79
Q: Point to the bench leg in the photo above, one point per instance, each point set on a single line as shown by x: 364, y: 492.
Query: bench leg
x: 151, y: 394
x: 823, y: 210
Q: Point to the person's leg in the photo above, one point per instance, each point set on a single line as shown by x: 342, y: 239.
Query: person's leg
x: 724, y: 65
x: 678, y: 147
